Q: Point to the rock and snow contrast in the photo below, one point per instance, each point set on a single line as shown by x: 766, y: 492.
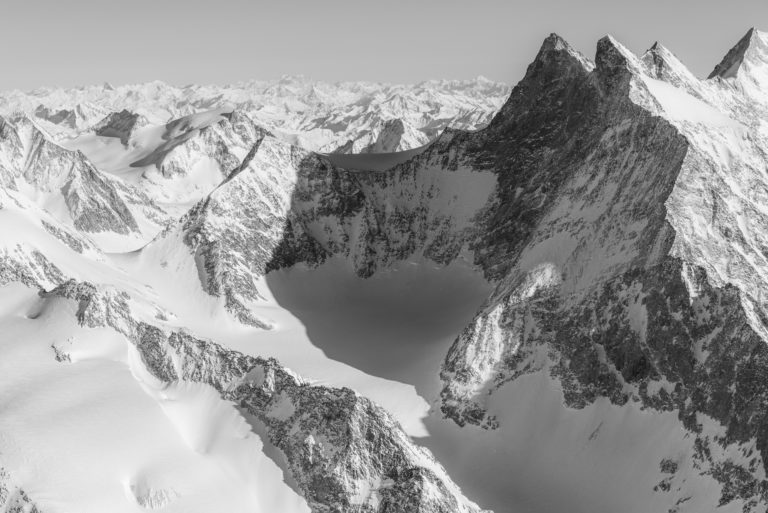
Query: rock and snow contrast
x: 449, y: 297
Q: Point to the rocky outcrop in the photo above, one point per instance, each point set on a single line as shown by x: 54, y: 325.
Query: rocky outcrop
x: 590, y: 181
x: 728, y: 67
x: 96, y: 306
x: 28, y: 266
x: 121, y: 125
x: 12, y: 498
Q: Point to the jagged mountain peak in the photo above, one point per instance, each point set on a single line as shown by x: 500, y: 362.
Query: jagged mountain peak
x: 612, y: 56
x: 557, y: 65
x: 660, y: 63
x: 662, y: 52
x: 555, y: 48
x: 121, y: 125
x: 729, y: 66
x: 557, y: 58
x: 554, y: 42
x: 743, y: 72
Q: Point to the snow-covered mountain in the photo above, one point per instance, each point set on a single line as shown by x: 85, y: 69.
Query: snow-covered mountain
x: 347, y: 117
x: 561, y: 311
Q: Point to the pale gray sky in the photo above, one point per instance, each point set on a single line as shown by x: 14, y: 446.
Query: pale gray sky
x: 72, y: 42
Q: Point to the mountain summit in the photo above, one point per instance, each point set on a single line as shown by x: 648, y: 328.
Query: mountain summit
x: 751, y: 46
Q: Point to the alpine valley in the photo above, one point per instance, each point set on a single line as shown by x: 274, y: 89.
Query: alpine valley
x: 296, y: 296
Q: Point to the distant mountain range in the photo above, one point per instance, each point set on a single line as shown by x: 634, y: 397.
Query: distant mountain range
x: 348, y: 117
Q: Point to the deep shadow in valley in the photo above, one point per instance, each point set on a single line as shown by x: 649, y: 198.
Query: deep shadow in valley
x: 397, y: 324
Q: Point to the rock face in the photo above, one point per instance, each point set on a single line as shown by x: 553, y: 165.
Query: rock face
x: 121, y: 125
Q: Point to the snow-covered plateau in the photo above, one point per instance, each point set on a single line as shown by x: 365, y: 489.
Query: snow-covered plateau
x: 295, y: 296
